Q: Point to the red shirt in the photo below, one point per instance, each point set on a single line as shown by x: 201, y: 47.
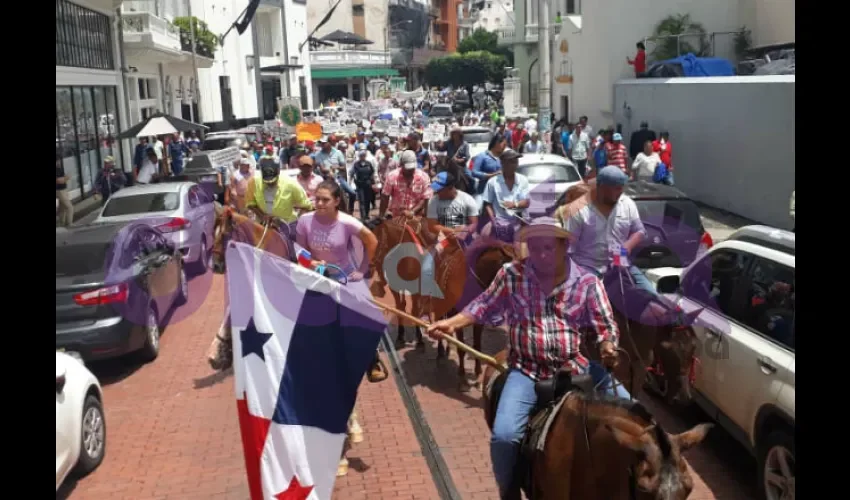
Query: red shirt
x: 640, y: 62
x: 666, y: 154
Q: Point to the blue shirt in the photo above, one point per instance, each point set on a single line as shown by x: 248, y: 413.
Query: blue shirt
x: 485, y: 163
x: 496, y: 192
x: 565, y: 139
x: 176, y: 149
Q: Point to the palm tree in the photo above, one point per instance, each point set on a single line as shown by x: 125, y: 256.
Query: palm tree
x: 668, y: 46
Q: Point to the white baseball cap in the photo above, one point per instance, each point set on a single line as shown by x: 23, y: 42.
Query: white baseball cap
x: 408, y: 160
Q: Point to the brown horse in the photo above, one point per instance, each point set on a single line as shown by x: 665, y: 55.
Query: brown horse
x: 673, y: 365
x: 599, y: 448
x: 391, y: 233
x: 233, y: 226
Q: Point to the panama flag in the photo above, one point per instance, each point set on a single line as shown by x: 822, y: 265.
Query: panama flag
x: 301, y: 345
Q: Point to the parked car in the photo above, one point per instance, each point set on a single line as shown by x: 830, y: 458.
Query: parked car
x: 675, y: 235
x: 182, y: 211
x: 549, y: 177
x: 80, y: 422
x: 478, y: 139
x: 114, y: 285
x: 211, y: 169
x: 215, y: 141
x: 745, y: 288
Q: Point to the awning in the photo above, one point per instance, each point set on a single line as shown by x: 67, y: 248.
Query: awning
x: 336, y: 74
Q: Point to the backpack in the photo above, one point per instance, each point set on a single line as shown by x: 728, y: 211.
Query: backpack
x: 660, y: 174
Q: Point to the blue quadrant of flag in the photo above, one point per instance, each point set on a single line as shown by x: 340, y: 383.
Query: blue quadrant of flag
x: 325, y: 364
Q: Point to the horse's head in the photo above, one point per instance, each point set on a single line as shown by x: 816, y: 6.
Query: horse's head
x: 659, y: 470
x: 221, y: 235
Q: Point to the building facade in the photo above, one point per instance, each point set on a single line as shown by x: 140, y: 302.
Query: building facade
x: 90, y: 98
x: 341, y: 70
x: 590, y: 46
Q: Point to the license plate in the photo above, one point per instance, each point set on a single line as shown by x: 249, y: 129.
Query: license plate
x: 209, y: 178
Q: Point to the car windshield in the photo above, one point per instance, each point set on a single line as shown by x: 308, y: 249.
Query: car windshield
x: 477, y: 137
x: 670, y: 213
x: 141, y: 204
x: 439, y: 111
x: 540, y: 173
x: 216, y: 143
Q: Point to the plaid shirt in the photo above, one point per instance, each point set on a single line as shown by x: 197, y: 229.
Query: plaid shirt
x: 618, y: 156
x: 404, y: 195
x: 544, y: 331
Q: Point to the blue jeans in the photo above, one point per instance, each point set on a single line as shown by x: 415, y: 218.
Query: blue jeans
x: 515, y: 405
x: 641, y: 281
x: 669, y: 179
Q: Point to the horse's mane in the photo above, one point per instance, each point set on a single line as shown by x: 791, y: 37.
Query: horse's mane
x: 606, y: 406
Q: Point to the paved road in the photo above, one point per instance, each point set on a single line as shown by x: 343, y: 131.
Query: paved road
x: 172, y: 428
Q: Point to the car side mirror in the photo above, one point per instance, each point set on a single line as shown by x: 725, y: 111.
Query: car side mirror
x: 60, y: 380
x: 668, y: 284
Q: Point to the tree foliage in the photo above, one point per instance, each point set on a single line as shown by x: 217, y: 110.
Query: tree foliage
x: 206, y: 42
x: 666, y: 44
x: 488, y: 41
x: 465, y: 70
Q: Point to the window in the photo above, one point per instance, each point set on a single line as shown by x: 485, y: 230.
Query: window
x: 715, y: 281
x: 83, y: 37
x: 141, y: 204
x: 771, y: 301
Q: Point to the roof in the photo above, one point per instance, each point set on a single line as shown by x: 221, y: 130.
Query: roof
x: 337, y: 74
x: 90, y: 234
x: 534, y: 158
x: 645, y: 190
x: 766, y: 236
x: 162, y: 187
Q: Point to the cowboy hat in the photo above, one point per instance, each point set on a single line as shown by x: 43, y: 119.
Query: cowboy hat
x: 542, y: 226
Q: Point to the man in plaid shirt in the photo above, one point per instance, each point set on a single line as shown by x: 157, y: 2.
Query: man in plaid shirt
x: 407, y: 189
x: 545, y: 306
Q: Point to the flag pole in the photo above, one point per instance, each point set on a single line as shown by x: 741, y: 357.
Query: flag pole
x: 448, y: 338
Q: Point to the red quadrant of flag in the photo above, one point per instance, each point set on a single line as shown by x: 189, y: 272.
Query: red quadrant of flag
x: 254, y: 431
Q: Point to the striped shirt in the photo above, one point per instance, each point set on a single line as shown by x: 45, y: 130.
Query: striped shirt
x: 544, y: 330
x: 618, y: 156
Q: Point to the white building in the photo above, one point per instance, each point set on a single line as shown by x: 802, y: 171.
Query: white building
x: 491, y: 14
x: 342, y: 70
x: 90, y: 99
x: 591, y: 44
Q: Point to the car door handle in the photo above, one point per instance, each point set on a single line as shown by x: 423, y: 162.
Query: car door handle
x: 766, y: 365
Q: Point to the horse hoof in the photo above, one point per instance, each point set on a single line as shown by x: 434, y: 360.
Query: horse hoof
x: 342, y: 468
x: 356, y: 436
x: 463, y: 385
x: 420, y: 345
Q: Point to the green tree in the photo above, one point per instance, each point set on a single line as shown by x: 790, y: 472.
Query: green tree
x: 667, y: 47
x: 487, y: 41
x: 466, y: 70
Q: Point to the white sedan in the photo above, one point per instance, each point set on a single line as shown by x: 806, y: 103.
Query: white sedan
x: 80, y: 425
x: 549, y: 176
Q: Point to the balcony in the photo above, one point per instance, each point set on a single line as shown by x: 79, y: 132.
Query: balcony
x: 150, y: 38
x: 348, y: 58
x: 512, y: 36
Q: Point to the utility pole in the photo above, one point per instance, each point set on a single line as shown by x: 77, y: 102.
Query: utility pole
x: 196, y: 94
x: 544, y: 93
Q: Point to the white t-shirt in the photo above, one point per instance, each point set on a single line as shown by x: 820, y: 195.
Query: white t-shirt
x: 644, y: 166
x: 146, y: 172
x: 580, y: 144
x: 270, y: 193
x: 157, y: 147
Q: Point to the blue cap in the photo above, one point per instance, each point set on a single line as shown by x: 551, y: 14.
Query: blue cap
x: 443, y: 179
x: 618, y: 137
x: 611, y: 176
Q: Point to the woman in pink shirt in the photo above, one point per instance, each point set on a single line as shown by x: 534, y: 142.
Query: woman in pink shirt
x: 331, y: 236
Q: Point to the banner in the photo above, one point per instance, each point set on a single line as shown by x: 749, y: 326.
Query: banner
x: 308, y: 131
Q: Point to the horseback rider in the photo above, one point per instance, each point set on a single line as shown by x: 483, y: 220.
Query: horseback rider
x: 272, y: 196
x: 546, y: 299
x: 407, y: 189
x: 608, y: 223
x: 505, y: 197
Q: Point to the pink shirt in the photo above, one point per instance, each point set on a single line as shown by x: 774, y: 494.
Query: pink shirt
x: 310, y: 185
x: 331, y: 241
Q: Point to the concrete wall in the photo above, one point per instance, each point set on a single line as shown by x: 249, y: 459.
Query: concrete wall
x: 733, y: 138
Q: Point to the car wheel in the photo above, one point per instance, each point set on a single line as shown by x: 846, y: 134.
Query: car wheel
x: 777, y: 466
x: 92, y: 437
x: 183, y: 288
x: 202, y: 264
x: 151, y: 348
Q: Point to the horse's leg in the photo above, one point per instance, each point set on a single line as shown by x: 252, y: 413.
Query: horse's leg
x: 461, y: 359
x: 220, y: 354
x: 477, y: 330
x: 399, y: 304
x: 416, y: 310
